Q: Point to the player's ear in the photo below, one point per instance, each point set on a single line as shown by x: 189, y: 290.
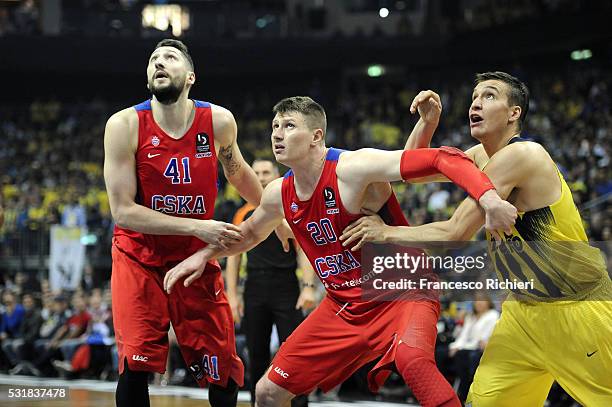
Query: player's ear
x: 317, y: 136
x: 191, y: 78
x: 515, y: 114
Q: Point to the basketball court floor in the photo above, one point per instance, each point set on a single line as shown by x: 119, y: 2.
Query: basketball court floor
x: 43, y: 392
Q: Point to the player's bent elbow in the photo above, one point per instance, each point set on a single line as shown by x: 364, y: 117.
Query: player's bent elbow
x: 120, y: 216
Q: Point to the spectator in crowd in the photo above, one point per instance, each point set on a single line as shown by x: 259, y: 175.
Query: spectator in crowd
x: 76, y: 327
x: 74, y: 214
x: 21, y: 347
x: 90, y: 351
x: 10, y: 323
x: 53, y: 332
x: 473, y: 336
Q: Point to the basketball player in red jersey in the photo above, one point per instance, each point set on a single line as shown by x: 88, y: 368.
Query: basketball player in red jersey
x: 325, y: 190
x: 160, y: 170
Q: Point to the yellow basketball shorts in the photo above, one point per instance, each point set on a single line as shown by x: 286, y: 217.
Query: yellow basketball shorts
x: 534, y: 345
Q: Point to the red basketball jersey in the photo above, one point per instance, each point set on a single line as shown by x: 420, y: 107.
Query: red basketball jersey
x: 318, y: 222
x: 177, y: 177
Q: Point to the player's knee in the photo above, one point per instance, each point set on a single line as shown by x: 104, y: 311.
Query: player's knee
x: 264, y: 394
x: 269, y: 394
x: 408, y: 356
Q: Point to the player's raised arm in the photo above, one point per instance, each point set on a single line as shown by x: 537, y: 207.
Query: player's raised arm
x: 268, y: 215
x: 466, y: 220
x: 429, y: 106
x: 235, y: 168
x: 120, y: 142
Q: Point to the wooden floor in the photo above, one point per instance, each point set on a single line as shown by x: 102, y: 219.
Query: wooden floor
x: 89, y: 398
x: 96, y: 393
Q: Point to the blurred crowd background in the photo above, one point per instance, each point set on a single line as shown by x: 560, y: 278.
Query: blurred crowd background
x: 71, y: 64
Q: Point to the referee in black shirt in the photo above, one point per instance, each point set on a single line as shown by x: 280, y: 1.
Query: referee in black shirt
x: 272, y: 290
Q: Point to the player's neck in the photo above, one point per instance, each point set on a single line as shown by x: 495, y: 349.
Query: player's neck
x: 306, y: 173
x: 174, y: 118
x: 493, y: 144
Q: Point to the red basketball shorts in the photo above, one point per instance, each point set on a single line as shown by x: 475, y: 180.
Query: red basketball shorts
x: 200, y: 315
x: 334, y: 341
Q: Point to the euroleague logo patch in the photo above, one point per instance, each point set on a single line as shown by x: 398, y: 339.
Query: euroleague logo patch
x: 202, y: 146
x: 329, y: 195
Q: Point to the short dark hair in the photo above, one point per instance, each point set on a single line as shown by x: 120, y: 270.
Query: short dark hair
x: 169, y: 42
x: 313, y: 112
x: 519, y: 93
x: 266, y: 160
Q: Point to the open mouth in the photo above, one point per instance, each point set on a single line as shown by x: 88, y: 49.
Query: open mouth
x: 160, y: 75
x: 475, y: 119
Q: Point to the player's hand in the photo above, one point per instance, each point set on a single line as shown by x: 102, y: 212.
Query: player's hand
x: 237, y: 306
x: 307, y: 300
x: 370, y: 228
x: 284, y: 233
x: 429, y: 106
x: 218, y: 234
x: 500, y: 214
x: 191, y: 268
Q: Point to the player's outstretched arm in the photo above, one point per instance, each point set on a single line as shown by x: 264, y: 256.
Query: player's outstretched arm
x: 235, y: 168
x: 366, y: 166
x: 120, y: 143
x: 507, y: 170
x: 268, y: 215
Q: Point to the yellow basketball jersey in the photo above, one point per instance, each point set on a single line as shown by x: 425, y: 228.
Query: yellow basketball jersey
x: 549, y: 248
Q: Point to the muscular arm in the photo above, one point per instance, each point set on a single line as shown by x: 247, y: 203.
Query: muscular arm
x: 366, y: 166
x: 507, y: 169
x: 470, y: 152
x: 255, y: 229
x: 236, y: 170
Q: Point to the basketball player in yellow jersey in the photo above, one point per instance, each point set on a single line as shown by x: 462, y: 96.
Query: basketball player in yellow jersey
x: 561, y: 329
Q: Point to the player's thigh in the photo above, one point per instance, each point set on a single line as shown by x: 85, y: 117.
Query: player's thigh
x: 511, y: 371
x: 323, y: 351
x: 584, y: 371
x: 505, y: 379
x: 140, y: 314
x: 202, y: 320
